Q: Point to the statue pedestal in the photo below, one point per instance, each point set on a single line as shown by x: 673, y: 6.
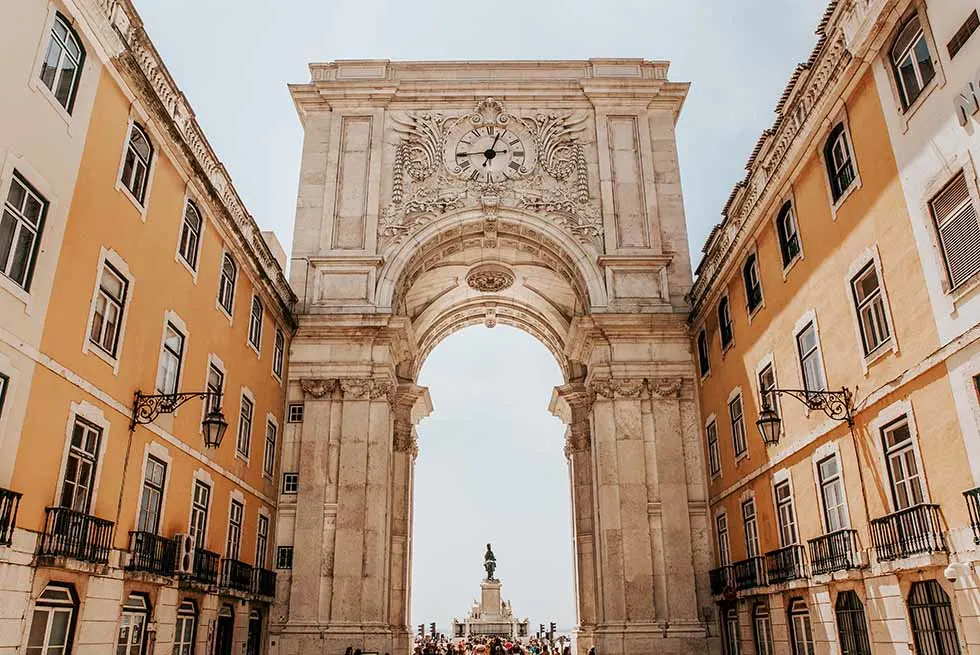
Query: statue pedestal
x: 490, y: 603
x: 491, y: 616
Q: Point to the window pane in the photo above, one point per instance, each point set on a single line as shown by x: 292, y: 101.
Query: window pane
x: 59, y: 628
x: 39, y: 627
x: 22, y: 255
x: 49, y: 68
x: 66, y: 81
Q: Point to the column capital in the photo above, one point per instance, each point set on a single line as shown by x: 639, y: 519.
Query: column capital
x: 410, y: 405
x: 572, y: 403
x: 318, y: 387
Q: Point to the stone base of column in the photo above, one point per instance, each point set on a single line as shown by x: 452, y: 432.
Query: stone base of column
x: 673, y: 638
x: 334, y: 639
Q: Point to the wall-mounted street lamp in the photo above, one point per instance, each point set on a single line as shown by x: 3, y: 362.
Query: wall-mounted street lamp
x: 835, y: 404
x: 147, y: 407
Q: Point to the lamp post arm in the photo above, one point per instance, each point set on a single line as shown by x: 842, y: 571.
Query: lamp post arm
x: 835, y: 404
x: 147, y: 407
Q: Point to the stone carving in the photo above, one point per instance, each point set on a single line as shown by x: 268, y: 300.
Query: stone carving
x: 553, y: 183
x: 666, y: 387
x: 616, y: 388
x: 490, y: 278
x: 367, y: 389
x: 317, y: 388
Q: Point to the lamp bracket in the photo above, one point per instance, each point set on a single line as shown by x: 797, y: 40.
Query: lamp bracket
x: 835, y: 404
x: 147, y: 407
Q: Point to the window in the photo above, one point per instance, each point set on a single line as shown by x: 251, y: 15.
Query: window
x: 870, y: 306
x: 963, y: 34
x: 290, y: 483
x: 809, y: 352
x: 750, y: 521
x: 261, y: 541
x: 152, y: 498
x: 725, y: 323
x: 20, y: 231
x: 226, y: 285
x: 132, y: 626
x: 269, y: 461
x: 284, y: 557
x: 215, y: 386
x: 738, y: 425
x: 110, y: 301
x: 731, y: 631
x: 295, y: 413
x: 83, y: 454
x: 789, y: 235
x: 53, y: 621
x: 4, y: 381
x: 767, y: 383
x: 933, y: 624
x: 278, y: 354
x: 903, y: 465
x: 762, y: 629
x: 190, y: 235
x: 704, y: 365
x: 724, y: 551
x: 171, y: 356
x: 801, y: 633
x: 255, y: 324
x: 753, y: 286
x: 185, y: 628
x: 852, y: 626
x: 956, y: 224
x: 785, y: 514
x: 136, y: 166
x: 832, y: 494
x: 911, y: 61
x: 244, y: 442
x: 199, y: 512
x: 62, y: 65
x: 234, y: 530
x: 714, y: 459
x: 840, y: 165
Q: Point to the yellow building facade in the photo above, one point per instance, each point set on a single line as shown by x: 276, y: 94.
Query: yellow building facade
x: 852, y: 532
x: 131, y: 270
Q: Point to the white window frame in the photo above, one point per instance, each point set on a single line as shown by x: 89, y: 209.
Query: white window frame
x: 736, y: 395
x: 138, y: 117
x: 230, y: 314
x: 256, y: 345
x: 239, y: 498
x: 278, y: 353
x: 752, y: 311
x: 283, y: 553
x: 778, y: 479
x: 50, y: 608
x: 870, y: 257
x: 808, y: 318
x: 94, y: 415
x: 703, y: 333
x: 128, y: 621
x: 21, y: 224
x: 887, y: 417
x: 290, y: 483
x: 181, y: 645
x: 293, y: 417
x: 109, y: 257
x: 723, y: 539
x: 193, y: 269
x: 40, y: 54
x: 835, y: 205
x: 907, y: 104
x: 973, y: 198
x: 762, y: 629
x: 167, y: 462
x: 712, y: 423
x: 201, y: 477
x: 750, y: 526
x: 806, y: 625
x: 269, y: 468
x: 262, y: 558
x: 245, y: 455
x: 789, y: 200
x: 172, y: 320
x: 728, y: 304
x: 824, y: 451
x: 14, y: 164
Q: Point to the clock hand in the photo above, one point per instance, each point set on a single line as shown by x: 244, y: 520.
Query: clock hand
x: 495, y: 139
x: 482, y: 152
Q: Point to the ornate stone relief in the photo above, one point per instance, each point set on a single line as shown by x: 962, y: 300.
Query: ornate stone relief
x: 352, y: 388
x: 552, y: 181
x: 620, y: 388
x: 317, y: 388
x: 490, y: 278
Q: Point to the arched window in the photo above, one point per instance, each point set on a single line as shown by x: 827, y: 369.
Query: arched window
x: 800, y: 630
x: 911, y: 61
x: 53, y: 621
x: 852, y: 626
x: 725, y: 323
x: 840, y: 163
x: 730, y: 635
x: 753, y: 285
x: 255, y: 323
x: 63, y: 60
x: 190, y: 234
x: 185, y: 629
x: 703, y: 364
x: 762, y: 629
x: 226, y: 286
x: 789, y: 235
x: 136, y: 166
x: 933, y: 625
x: 132, y: 625
x: 254, y: 644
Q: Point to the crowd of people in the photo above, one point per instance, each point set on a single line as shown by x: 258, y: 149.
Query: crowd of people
x: 442, y: 645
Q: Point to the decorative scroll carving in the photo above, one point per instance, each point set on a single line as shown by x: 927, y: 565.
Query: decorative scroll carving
x: 367, y: 389
x: 490, y: 278
x: 318, y: 388
x: 615, y: 388
x: 666, y: 387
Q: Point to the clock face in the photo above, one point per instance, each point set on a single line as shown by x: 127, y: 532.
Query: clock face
x: 489, y: 153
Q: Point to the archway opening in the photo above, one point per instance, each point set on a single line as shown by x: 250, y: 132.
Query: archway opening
x: 491, y: 468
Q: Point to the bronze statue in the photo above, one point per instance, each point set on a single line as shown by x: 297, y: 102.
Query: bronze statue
x: 490, y: 563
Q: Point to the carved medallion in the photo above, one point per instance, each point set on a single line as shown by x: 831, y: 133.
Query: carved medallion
x: 490, y: 278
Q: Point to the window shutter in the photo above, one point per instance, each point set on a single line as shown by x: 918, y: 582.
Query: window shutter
x: 959, y: 231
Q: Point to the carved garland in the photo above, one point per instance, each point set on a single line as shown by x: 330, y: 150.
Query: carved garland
x: 350, y: 388
x: 626, y: 388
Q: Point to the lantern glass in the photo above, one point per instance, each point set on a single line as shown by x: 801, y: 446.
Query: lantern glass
x: 769, y: 425
x: 214, y: 426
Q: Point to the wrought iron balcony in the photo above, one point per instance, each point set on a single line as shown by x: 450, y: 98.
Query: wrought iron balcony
x: 786, y: 564
x: 749, y: 573
x: 722, y: 581
x: 263, y: 582
x: 236, y: 575
x: 68, y: 533
x: 973, y: 504
x: 205, y: 567
x: 912, y: 531
x: 836, y: 551
x: 9, y: 502
x: 152, y: 553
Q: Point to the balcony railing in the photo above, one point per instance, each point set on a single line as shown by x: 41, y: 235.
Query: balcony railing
x: 68, y: 533
x: 908, y: 532
x: 722, y: 581
x: 973, y: 504
x: 837, y: 551
x: 749, y: 573
x: 9, y: 502
x: 786, y: 564
x: 205, y: 567
x: 152, y: 553
x: 263, y: 582
x: 236, y: 575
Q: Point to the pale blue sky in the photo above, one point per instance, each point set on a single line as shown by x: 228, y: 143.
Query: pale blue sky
x: 489, y: 388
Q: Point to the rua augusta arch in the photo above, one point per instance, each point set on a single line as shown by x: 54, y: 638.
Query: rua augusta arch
x: 543, y: 195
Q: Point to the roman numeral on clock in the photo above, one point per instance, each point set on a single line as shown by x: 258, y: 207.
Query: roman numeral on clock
x: 475, y: 175
x: 514, y: 166
x: 464, y: 164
